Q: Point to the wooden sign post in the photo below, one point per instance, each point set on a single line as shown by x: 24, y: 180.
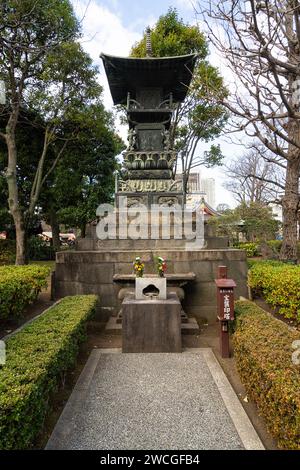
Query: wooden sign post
x: 225, y: 302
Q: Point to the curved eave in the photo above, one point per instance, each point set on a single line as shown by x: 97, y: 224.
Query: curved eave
x: 149, y: 59
x: 208, y: 210
x: 126, y: 74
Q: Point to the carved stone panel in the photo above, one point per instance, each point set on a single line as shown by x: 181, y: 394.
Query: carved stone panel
x: 136, y: 201
x: 151, y: 185
x: 168, y: 201
x: 150, y: 139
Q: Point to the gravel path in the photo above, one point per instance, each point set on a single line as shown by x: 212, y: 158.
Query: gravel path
x: 153, y: 401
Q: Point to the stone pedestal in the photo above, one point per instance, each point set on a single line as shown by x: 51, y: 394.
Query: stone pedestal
x: 151, y: 326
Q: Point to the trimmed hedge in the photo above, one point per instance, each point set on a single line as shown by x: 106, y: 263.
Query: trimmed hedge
x: 37, y: 357
x: 251, y: 249
x: 263, y: 353
x: 279, y: 284
x: 19, y: 286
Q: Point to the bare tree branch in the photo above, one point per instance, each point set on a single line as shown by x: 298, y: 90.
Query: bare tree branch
x: 260, y: 43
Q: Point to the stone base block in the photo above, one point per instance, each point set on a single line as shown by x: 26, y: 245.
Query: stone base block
x: 189, y: 326
x: 151, y: 326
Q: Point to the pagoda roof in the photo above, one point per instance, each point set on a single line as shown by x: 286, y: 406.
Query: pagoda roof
x: 127, y: 74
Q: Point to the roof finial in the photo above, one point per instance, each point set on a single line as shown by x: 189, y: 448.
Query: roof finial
x: 148, y: 42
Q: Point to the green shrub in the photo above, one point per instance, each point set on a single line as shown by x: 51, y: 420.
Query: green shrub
x: 250, y: 248
x: 279, y: 283
x: 37, y: 358
x: 251, y: 262
x: 263, y: 353
x: 275, y: 245
x: 19, y: 286
x: 39, y: 250
x: 7, y: 251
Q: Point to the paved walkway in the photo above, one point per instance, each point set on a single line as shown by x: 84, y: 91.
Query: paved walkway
x: 153, y: 401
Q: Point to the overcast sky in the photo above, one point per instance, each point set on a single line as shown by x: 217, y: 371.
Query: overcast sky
x: 113, y: 26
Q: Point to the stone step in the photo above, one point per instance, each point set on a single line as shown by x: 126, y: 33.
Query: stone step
x: 184, y: 318
x: 87, y: 244
x: 189, y: 326
x: 112, y: 327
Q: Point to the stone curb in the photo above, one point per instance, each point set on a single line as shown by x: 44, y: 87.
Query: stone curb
x: 242, y: 423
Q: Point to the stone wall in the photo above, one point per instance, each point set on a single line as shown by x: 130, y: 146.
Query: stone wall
x: 91, y: 272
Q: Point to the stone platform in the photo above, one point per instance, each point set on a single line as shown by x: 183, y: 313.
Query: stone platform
x: 153, y: 401
x: 189, y: 326
x: 92, y: 272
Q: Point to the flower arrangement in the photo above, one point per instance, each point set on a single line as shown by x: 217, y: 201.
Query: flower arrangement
x: 161, y: 266
x: 138, y: 267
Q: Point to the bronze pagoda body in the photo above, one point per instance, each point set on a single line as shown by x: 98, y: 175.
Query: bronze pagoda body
x: 150, y: 88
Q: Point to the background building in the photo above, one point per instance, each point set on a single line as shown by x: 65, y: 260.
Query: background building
x: 199, y: 188
x: 208, y: 187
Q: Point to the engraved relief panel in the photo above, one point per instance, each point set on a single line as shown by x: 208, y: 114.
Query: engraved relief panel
x: 150, y: 139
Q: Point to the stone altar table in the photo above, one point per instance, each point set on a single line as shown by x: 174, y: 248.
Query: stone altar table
x: 175, y: 283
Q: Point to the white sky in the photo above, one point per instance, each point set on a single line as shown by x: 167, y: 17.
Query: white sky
x: 113, y: 27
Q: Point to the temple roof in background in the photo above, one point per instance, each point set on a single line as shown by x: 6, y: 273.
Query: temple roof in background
x: 208, y: 210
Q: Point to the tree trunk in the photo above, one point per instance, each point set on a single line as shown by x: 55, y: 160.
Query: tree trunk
x: 21, y: 255
x: 13, y: 200
x: 55, y: 231
x: 83, y: 230
x: 290, y: 207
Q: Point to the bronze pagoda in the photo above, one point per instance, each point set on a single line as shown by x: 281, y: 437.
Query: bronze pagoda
x: 150, y: 88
